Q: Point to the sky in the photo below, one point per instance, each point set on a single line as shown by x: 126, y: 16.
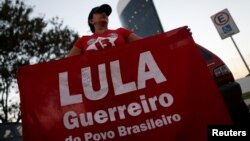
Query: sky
x: 173, y: 14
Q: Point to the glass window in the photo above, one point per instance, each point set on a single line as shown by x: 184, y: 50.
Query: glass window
x: 205, y: 54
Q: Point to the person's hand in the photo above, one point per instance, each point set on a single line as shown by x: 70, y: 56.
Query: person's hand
x: 189, y: 30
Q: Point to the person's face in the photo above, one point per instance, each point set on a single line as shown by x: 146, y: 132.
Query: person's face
x: 100, y: 18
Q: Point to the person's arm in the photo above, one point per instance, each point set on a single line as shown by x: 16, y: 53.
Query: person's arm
x: 133, y: 37
x: 74, y: 51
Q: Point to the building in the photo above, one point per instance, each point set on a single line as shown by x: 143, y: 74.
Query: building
x: 140, y: 16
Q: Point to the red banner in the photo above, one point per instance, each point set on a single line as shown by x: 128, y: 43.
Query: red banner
x: 155, y: 88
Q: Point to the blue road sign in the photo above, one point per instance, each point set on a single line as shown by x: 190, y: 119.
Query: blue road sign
x: 227, y: 28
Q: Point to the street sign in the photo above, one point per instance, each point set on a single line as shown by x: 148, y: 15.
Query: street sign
x: 224, y: 24
x: 226, y: 27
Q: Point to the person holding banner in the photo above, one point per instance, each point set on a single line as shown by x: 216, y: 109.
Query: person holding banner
x: 102, y: 37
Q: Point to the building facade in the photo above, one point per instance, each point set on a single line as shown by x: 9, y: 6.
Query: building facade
x: 140, y: 16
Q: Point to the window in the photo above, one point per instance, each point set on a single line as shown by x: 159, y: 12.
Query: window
x: 205, y: 54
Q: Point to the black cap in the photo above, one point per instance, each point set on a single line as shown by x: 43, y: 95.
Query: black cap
x: 103, y: 8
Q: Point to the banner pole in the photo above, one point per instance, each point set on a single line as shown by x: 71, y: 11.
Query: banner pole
x: 240, y: 54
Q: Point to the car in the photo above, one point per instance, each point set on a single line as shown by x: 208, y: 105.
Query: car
x: 228, y: 87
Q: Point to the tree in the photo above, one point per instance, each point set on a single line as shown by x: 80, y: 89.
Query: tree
x: 25, y: 40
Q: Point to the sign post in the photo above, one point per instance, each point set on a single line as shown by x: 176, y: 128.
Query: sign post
x: 226, y: 27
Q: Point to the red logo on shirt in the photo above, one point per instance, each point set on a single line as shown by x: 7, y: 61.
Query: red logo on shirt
x: 102, y: 42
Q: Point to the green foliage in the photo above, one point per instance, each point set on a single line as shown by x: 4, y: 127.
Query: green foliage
x: 25, y: 40
x: 246, y: 95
